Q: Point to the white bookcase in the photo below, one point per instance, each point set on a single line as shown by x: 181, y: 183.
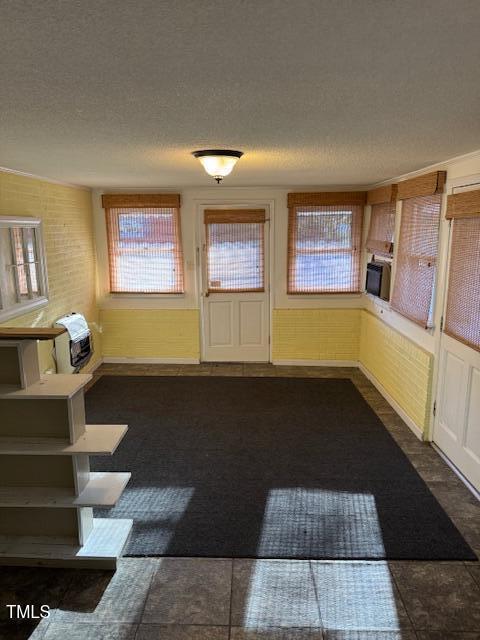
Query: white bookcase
x: 47, y: 491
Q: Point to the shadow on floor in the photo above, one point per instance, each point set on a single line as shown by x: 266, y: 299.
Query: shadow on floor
x: 28, y: 589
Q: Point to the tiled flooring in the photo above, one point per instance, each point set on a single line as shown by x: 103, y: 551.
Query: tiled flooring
x: 225, y: 599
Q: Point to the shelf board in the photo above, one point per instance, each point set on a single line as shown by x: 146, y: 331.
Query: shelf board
x: 102, y: 549
x: 98, y: 440
x: 50, y: 386
x: 31, y: 333
x: 102, y: 490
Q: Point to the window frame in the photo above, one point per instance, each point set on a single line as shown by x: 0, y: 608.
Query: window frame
x: 429, y: 324
x: 42, y: 299
x: 145, y: 204
x: 376, y: 246
x: 291, y: 235
x: 462, y: 206
x: 234, y: 217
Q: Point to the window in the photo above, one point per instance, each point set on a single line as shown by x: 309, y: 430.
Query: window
x: 380, y: 232
x: 462, y: 319
x: 235, y: 250
x: 144, y: 244
x: 324, y: 248
x: 23, y: 278
x: 416, y: 263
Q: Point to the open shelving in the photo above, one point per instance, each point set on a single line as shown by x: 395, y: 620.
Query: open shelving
x: 47, y: 491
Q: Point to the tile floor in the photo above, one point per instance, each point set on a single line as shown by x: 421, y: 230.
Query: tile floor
x: 238, y: 599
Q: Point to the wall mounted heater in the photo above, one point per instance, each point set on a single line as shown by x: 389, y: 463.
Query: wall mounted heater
x: 378, y: 279
x: 73, y: 349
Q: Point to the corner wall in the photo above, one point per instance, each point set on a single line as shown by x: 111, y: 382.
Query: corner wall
x: 67, y: 218
x: 400, y: 368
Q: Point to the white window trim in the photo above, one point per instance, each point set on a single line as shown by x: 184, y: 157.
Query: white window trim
x: 21, y: 308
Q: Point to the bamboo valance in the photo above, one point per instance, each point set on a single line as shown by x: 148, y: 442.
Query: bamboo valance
x: 115, y: 200
x: 463, y: 205
x: 229, y: 216
x: 427, y: 185
x: 322, y: 198
x: 382, y: 195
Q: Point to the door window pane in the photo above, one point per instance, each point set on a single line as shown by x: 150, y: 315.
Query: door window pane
x: 235, y: 257
x: 462, y: 319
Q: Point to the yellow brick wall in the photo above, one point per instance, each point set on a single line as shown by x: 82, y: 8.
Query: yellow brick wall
x: 316, y: 334
x: 150, y: 333
x: 402, y: 368
x: 68, y: 234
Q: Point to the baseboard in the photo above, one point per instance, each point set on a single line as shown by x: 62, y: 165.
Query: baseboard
x: 112, y: 360
x: 316, y: 363
x: 393, y: 403
x: 88, y: 369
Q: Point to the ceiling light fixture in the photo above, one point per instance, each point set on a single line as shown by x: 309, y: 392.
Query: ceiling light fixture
x: 218, y: 162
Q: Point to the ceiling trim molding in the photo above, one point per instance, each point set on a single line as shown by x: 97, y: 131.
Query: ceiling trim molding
x: 34, y: 176
x: 444, y: 164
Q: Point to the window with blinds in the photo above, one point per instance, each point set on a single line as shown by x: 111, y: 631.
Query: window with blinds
x: 145, y: 249
x: 416, y: 264
x: 381, y: 229
x: 235, y: 250
x: 462, y: 318
x: 324, y: 249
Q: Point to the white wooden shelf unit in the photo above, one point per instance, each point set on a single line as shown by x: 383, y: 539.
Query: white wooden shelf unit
x: 47, y: 491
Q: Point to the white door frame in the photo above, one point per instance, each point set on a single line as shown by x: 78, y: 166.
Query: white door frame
x: 233, y: 203
x: 452, y: 186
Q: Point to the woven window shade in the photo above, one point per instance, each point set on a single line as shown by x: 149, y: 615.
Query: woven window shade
x: 235, y: 246
x: 380, y: 232
x: 145, y: 249
x: 324, y: 249
x: 463, y: 205
x: 417, y: 249
x: 427, y: 185
x: 380, y: 195
x: 462, y: 319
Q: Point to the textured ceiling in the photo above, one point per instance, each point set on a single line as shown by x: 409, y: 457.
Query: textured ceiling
x: 315, y: 92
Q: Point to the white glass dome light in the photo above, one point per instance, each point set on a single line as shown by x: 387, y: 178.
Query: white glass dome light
x: 218, y: 163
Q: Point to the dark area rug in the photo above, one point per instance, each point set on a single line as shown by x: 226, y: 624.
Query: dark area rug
x: 267, y: 468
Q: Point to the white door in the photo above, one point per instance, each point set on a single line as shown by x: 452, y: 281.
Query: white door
x: 457, y: 420
x: 235, y: 291
x: 457, y: 428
